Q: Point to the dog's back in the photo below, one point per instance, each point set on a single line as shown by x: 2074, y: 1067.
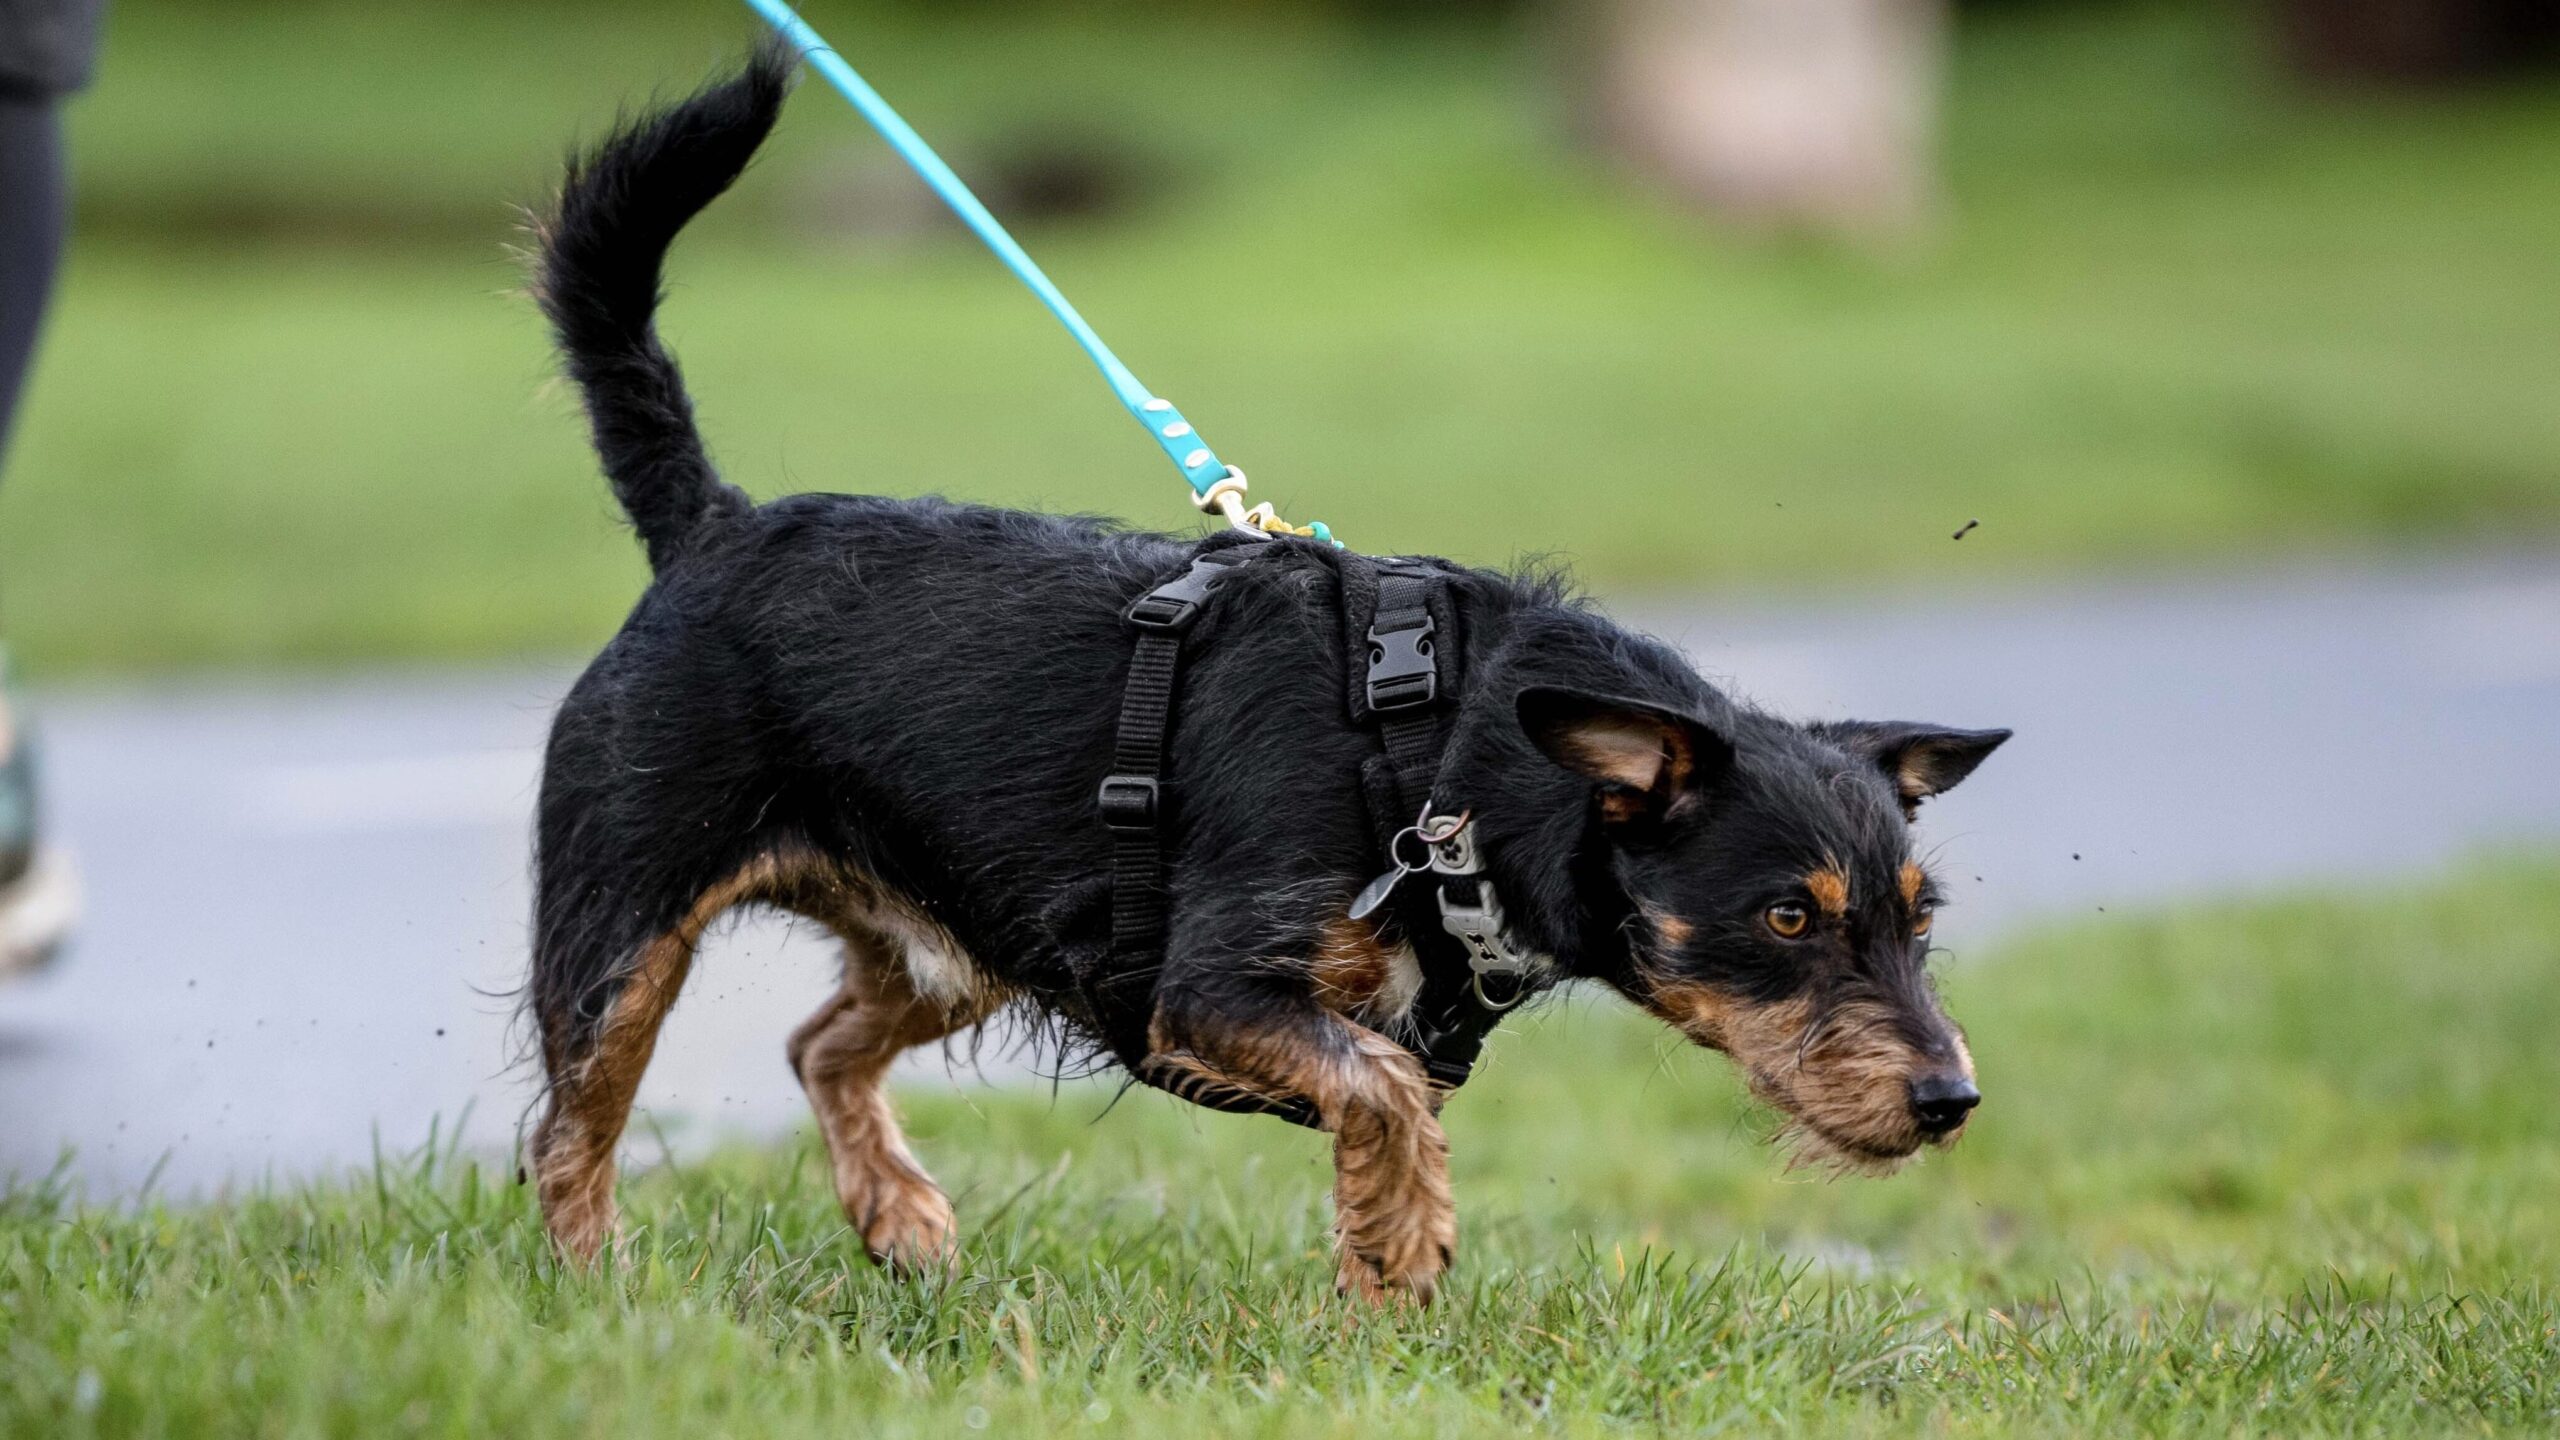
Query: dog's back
x: 924, y: 685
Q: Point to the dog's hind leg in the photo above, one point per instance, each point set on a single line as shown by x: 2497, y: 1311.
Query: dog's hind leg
x: 594, y: 1070
x: 1395, y: 1224
x: 842, y: 1056
x: 590, y: 1102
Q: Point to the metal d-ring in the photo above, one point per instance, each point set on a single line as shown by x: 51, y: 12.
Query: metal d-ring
x: 1446, y: 831
x: 1395, y: 850
x: 1431, y: 837
x: 1519, y: 992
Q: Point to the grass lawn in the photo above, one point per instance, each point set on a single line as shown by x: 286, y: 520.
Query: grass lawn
x: 2177, y: 313
x: 2283, y: 1167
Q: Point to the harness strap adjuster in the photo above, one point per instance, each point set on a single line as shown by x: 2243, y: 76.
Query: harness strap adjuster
x: 1173, y: 605
x: 1130, y: 804
x: 1403, y: 674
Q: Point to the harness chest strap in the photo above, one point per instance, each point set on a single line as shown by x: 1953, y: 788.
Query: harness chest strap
x: 1399, y: 689
x: 1121, y: 988
x: 1397, y: 608
x: 1132, y: 801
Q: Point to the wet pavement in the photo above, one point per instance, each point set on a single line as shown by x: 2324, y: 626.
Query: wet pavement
x: 307, y: 898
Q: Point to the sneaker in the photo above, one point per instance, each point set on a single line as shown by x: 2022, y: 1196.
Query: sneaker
x: 39, y: 898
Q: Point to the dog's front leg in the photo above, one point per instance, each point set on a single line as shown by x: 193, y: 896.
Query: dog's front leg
x: 842, y: 1055
x: 1395, y: 1226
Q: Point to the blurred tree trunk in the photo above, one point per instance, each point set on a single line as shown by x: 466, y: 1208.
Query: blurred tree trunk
x: 2418, y: 40
x: 1787, y: 114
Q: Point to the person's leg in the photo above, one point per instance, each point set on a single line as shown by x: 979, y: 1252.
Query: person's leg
x: 31, y: 220
x: 36, y: 898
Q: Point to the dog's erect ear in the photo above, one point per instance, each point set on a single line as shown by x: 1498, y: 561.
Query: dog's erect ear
x: 1920, y: 760
x: 1645, y: 758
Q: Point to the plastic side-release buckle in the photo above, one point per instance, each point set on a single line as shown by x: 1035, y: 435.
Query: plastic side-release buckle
x: 1402, y: 672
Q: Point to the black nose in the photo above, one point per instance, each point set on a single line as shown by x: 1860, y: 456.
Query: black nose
x: 1940, y: 1102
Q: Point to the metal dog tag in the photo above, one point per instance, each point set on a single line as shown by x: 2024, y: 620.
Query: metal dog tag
x: 1375, y: 893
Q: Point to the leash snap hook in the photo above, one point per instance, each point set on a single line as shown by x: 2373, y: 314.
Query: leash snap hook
x: 1225, y: 496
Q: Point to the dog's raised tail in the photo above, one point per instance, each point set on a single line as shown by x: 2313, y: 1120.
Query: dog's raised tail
x: 598, y: 279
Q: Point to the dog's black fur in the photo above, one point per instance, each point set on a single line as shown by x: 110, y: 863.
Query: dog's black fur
x: 919, y: 698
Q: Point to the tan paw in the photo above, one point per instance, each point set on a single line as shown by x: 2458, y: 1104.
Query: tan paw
x: 579, y: 1213
x: 1406, y: 1269
x: 1357, y: 1280
x: 909, y: 1227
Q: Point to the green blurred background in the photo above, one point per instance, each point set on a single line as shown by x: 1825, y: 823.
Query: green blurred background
x: 2178, y: 301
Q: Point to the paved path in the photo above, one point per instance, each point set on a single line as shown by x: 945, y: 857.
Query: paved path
x: 307, y: 899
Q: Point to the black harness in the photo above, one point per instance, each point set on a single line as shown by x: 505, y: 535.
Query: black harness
x: 1401, y: 644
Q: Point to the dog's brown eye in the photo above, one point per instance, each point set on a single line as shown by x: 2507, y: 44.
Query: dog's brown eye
x: 1787, y: 921
x: 1920, y: 924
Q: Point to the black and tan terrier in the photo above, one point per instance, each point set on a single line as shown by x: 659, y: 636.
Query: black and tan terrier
x: 891, y: 717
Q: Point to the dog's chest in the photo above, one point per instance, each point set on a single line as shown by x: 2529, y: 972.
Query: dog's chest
x: 1360, y: 976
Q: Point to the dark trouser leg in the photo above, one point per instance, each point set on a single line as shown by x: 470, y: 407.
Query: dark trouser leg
x: 36, y: 899
x: 31, y: 222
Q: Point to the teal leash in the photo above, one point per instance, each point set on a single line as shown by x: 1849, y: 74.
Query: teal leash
x: 1215, y: 485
